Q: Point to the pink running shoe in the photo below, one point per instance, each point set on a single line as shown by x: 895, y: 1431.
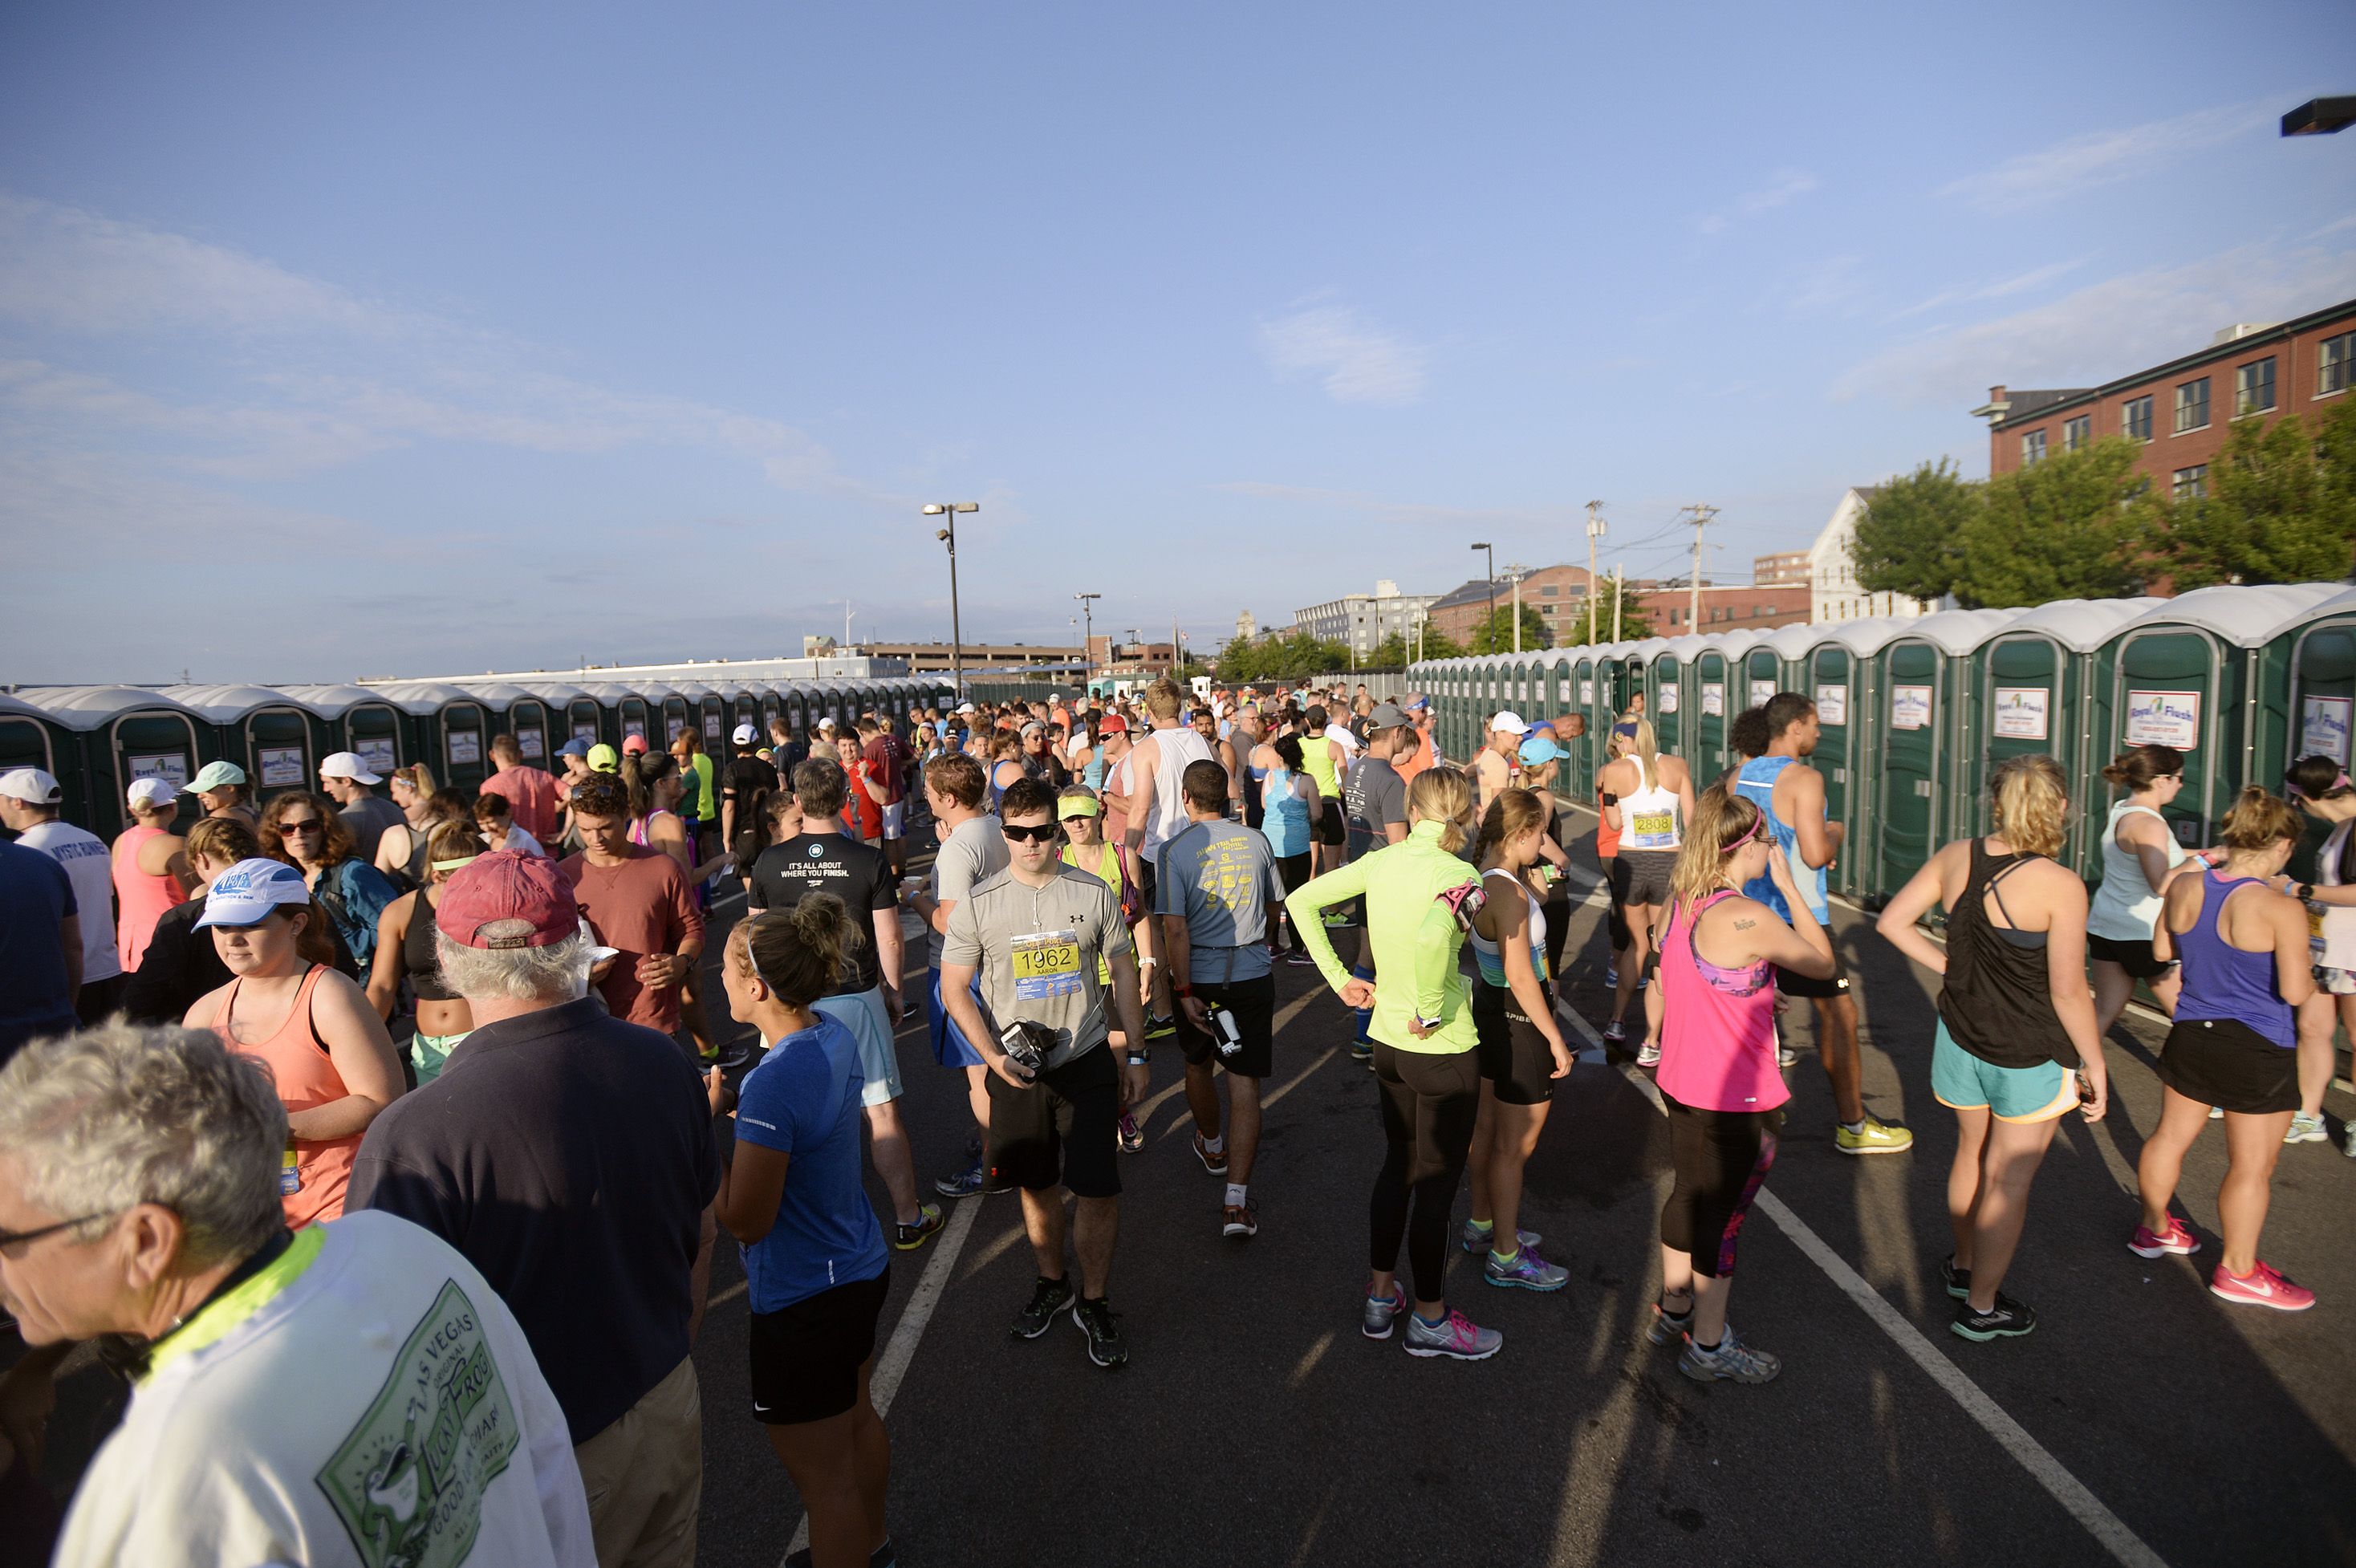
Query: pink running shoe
x: 2261, y: 1286
x: 2176, y: 1239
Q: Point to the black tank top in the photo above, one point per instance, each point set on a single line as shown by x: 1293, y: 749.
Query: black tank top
x: 417, y: 956
x: 1998, y: 1002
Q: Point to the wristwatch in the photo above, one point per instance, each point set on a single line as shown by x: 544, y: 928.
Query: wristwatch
x: 1138, y: 1058
x: 2305, y: 891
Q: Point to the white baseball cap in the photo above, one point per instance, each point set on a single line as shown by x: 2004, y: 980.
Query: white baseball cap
x: 149, y: 792
x: 30, y: 785
x: 745, y: 734
x: 1508, y: 721
x: 964, y: 707
x: 246, y: 893
x: 346, y: 765
x: 825, y: 724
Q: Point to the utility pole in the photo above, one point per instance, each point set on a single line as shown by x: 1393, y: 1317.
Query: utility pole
x: 1615, y: 603
x: 1491, y: 560
x: 1596, y: 527
x: 1516, y: 572
x: 1089, y: 636
x: 1702, y: 515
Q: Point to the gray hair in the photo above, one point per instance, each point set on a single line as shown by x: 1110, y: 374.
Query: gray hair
x: 557, y: 973
x: 120, y: 1115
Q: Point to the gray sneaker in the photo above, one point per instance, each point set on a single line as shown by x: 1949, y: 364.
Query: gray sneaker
x: 1527, y: 1272
x: 1476, y: 1240
x: 2305, y: 1129
x: 1733, y: 1359
x: 1454, y: 1335
x: 1380, y: 1312
x: 1667, y: 1327
x: 1649, y: 1053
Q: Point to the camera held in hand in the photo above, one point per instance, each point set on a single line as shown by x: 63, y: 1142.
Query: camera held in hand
x: 1027, y: 1044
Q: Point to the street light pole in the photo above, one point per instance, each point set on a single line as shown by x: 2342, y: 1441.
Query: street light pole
x: 1516, y: 572
x: 1596, y: 528
x: 1089, y: 636
x: 949, y: 511
x: 1493, y: 593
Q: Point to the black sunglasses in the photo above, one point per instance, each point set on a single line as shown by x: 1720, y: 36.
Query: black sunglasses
x: 16, y: 1238
x: 1039, y: 833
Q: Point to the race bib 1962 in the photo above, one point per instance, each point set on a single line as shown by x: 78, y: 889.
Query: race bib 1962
x: 1046, y: 965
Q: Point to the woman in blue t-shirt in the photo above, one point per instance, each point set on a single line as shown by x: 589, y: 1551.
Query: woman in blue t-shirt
x: 816, y: 1270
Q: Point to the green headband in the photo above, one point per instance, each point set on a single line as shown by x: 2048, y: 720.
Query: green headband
x: 454, y: 864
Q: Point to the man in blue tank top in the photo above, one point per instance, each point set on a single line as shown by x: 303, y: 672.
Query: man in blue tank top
x: 1792, y: 794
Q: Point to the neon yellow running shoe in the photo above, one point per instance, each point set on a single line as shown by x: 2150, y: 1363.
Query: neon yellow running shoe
x: 1872, y: 1137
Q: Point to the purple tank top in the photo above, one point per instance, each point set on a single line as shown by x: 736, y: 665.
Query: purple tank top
x: 2221, y: 981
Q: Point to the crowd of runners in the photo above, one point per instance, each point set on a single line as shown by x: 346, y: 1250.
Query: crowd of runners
x: 382, y: 1141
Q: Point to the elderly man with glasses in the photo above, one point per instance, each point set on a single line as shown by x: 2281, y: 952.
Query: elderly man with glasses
x: 353, y: 1392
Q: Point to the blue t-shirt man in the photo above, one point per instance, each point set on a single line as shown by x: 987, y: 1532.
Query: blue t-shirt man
x: 1756, y: 784
x: 804, y: 1100
x: 36, y: 992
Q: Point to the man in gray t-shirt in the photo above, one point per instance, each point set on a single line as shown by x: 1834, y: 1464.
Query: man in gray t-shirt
x: 971, y: 850
x: 1218, y: 880
x: 1032, y: 935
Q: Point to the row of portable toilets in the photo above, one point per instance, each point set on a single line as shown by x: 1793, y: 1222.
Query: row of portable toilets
x: 1916, y: 713
x: 98, y: 739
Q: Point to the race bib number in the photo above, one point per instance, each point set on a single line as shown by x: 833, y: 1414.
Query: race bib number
x: 290, y: 1179
x: 1046, y: 965
x: 1653, y: 829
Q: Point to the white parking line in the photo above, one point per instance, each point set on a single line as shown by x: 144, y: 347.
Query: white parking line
x: 2124, y: 1545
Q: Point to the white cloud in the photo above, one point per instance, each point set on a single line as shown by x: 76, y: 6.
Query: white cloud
x: 1353, y: 361
x: 2105, y: 330
x: 2099, y: 157
x: 1833, y: 283
x: 2002, y: 288
x: 1784, y: 186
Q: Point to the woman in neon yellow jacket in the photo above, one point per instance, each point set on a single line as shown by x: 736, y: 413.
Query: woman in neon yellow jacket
x: 1420, y: 899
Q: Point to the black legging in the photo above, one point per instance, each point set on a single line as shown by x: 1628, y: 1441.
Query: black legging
x: 1721, y: 1158
x: 1291, y: 870
x: 1429, y: 1104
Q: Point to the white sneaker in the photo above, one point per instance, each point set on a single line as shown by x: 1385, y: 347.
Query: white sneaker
x: 1648, y: 1054
x: 2305, y: 1129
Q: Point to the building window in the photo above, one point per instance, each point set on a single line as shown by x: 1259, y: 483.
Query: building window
x: 2032, y: 447
x: 2192, y: 484
x: 2333, y: 366
x: 2135, y: 419
x: 2193, y: 406
x: 1548, y: 591
x: 2077, y: 432
x: 2254, y: 388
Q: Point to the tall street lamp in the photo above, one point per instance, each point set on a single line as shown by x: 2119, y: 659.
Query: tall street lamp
x: 947, y: 535
x: 1493, y: 593
x: 1088, y: 637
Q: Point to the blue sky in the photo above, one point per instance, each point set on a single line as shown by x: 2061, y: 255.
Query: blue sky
x: 337, y: 341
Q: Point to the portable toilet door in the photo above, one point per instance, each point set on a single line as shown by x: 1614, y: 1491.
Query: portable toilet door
x: 1828, y: 681
x: 2323, y: 702
x: 1762, y: 675
x: 585, y: 719
x: 372, y: 732
x: 633, y: 713
x: 528, y: 721
x: 746, y: 710
x: 29, y: 738
x: 280, y: 751
x: 147, y: 738
x: 1917, y: 724
x: 1706, y: 759
x: 712, y: 709
x: 1664, y: 700
x: 466, y: 743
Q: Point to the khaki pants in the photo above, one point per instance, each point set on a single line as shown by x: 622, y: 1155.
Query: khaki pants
x: 644, y: 1476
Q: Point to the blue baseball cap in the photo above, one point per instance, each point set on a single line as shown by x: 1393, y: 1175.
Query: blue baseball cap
x: 246, y: 893
x: 1539, y: 750
x: 576, y: 747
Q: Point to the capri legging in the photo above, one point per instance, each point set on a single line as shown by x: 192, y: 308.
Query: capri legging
x: 1430, y: 1103
x: 1722, y: 1157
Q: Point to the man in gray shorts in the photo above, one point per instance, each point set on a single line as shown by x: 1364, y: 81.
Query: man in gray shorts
x: 1034, y: 933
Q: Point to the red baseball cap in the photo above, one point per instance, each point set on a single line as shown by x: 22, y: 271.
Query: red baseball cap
x: 506, y: 898
x: 633, y: 743
x: 1113, y: 724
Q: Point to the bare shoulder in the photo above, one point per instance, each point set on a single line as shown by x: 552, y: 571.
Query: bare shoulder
x: 203, y: 1011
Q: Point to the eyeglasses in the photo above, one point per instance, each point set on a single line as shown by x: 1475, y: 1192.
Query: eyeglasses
x: 1037, y: 832
x: 19, y: 1238
x: 302, y: 825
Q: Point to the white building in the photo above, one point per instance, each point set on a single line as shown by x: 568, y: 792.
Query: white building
x: 1246, y: 627
x: 1362, y: 620
x: 1834, y: 595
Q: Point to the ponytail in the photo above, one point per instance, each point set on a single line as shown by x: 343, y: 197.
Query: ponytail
x: 1513, y: 814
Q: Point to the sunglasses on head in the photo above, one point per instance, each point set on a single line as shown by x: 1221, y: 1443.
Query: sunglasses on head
x: 1037, y: 832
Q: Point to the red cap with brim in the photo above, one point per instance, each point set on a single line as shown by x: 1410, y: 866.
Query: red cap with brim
x: 506, y: 898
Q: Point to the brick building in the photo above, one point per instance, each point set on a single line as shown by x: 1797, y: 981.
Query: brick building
x: 1557, y: 593
x: 1724, y: 606
x: 2180, y: 411
x: 1780, y: 571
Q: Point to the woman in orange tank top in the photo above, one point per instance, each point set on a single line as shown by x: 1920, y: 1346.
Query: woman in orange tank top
x: 315, y: 1029
x: 150, y: 869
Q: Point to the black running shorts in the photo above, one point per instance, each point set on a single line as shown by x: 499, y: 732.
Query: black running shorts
x: 806, y: 1356
x: 1063, y: 1128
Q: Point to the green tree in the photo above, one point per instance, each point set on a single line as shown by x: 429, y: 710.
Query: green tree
x: 2281, y: 506
x: 1438, y: 644
x: 1392, y: 652
x: 1910, y: 539
x: 2077, y: 525
x: 1275, y: 658
x: 1497, y: 635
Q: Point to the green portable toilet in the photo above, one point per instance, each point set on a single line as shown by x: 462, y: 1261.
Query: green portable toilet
x: 263, y: 730
x: 122, y: 733
x: 558, y: 701
x: 359, y: 719
x: 2322, y: 670
x: 630, y: 712
x: 1925, y: 724
x: 1706, y: 753
x: 504, y: 707
x: 1780, y: 662
x: 31, y: 738
x: 1836, y: 674
x: 1666, y: 697
x: 2210, y: 674
x: 2031, y: 684
x: 611, y: 699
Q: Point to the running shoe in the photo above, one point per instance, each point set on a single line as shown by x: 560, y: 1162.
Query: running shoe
x: 2007, y: 1319
x: 967, y: 1183
x: 1611, y: 977
x: 1959, y: 1281
x: 908, y: 1238
x: 1215, y: 1164
x: 1362, y: 1051
x: 1381, y: 1310
x: 1477, y: 1238
x: 1159, y: 1028
x: 2261, y: 1286
x: 2216, y: 1113
x: 1527, y: 1272
x: 2305, y: 1129
x: 1731, y: 1360
x: 1052, y: 1297
x: 1454, y: 1335
x: 1649, y: 1053
x: 1785, y: 1056
x: 1667, y: 1327
x: 1615, y: 1033
x: 1238, y: 1219
x: 1133, y: 1136
x: 1301, y: 958
x: 2176, y: 1239
x: 2351, y: 1140
x: 1106, y: 1347
x: 1336, y: 920
x: 1875, y: 1137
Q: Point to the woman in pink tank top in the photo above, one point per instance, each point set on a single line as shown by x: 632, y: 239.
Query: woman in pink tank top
x: 1719, y: 1078
x: 324, y: 1044
x: 147, y: 860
